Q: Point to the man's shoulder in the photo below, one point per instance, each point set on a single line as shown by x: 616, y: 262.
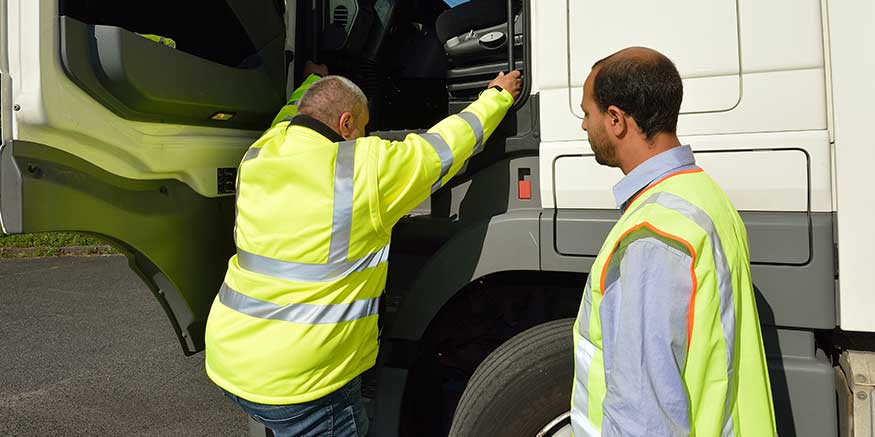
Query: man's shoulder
x: 697, y: 193
x: 653, y: 247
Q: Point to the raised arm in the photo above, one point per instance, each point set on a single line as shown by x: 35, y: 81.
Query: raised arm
x: 409, y: 171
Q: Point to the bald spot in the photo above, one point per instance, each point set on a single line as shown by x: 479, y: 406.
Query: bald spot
x: 328, y: 98
x: 637, y: 54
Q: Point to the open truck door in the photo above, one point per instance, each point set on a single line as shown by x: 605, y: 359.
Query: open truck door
x: 107, y: 129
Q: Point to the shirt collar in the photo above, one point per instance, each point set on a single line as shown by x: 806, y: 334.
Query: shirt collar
x: 651, y: 170
x: 316, y: 125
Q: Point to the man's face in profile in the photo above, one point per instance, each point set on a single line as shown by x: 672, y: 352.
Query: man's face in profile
x: 594, y: 125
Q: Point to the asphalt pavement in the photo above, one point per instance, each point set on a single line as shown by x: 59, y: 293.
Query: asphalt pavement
x: 85, y: 349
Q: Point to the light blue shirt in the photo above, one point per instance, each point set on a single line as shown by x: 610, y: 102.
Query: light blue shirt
x: 644, y: 322
x: 454, y: 3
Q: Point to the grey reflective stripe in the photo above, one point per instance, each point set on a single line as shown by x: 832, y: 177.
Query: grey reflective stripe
x: 584, y: 351
x: 583, y: 354
x: 252, y: 153
x: 304, y: 313
x: 344, y: 170
x: 585, y: 309
x: 294, y: 102
x: 444, y: 153
x: 303, y: 272
x: 476, y: 126
x: 724, y: 280
x: 341, y: 226
x: 236, y: 198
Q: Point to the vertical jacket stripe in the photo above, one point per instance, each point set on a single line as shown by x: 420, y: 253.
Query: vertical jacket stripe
x: 338, y: 265
x: 344, y: 170
x: 251, y: 153
x: 584, y: 352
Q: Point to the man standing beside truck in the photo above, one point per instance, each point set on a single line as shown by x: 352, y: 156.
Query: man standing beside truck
x: 295, y: 322
x: 667, y: 339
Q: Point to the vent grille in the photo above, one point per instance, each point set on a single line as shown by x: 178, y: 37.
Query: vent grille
x: 341, y: 16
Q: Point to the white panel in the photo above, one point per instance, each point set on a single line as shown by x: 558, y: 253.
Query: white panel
x: 703, y: 43
x: 755, y: 175
x: 583, y: 183
x: 769, y: 180
x: 851, y: 41
x: 550, y: 44
x: 703, y: 94
x: 776, y: 36
x: 557, y: 121
x: 773, y: 102
x: 781, y: 35
x: 762, y: 180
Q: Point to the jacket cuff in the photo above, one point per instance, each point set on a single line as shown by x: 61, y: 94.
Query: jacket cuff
x: 503, y: 95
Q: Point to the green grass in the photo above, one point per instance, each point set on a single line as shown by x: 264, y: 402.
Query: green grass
x: 49, y: 239
x: 51, y: 244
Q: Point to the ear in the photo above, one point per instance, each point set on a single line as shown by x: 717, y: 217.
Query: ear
x: 346, y: 125
x: 616, y: 122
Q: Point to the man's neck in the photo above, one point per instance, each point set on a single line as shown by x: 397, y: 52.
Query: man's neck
x: 640, y: 153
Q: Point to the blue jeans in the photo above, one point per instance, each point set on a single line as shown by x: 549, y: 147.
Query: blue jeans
x: 339, y: 414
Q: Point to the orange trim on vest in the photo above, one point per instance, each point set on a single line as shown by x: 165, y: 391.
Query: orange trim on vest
x: 690, y: 171
x: 695, y: 281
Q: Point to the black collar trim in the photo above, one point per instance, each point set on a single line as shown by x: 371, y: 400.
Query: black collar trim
x: 316, y: 125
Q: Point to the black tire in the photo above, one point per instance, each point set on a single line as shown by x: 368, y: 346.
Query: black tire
x: 521, y: 386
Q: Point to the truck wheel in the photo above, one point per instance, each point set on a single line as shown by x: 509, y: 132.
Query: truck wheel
x: 523, y: 388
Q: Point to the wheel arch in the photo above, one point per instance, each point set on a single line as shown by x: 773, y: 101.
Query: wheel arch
x: 177, y: 241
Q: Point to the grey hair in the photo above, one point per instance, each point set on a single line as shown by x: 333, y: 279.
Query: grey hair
x: 331, y: 96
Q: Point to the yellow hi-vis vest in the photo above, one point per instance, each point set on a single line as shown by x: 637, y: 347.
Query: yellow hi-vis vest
x: 296, y: 317
x: 725, y: 373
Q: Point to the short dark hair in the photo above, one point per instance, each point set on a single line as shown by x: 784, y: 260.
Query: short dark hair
x: 648, y: 88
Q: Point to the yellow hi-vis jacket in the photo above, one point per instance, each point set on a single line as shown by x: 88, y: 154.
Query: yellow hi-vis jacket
x: 296, y: 317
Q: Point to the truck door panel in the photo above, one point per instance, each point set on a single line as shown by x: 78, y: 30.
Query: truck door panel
x: 129, y: 74
x: 131, y: 154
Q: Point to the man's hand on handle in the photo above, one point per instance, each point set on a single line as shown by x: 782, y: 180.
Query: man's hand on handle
x: 511, y: 82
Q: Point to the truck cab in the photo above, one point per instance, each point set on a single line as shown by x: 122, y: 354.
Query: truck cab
x: 109, y: 129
